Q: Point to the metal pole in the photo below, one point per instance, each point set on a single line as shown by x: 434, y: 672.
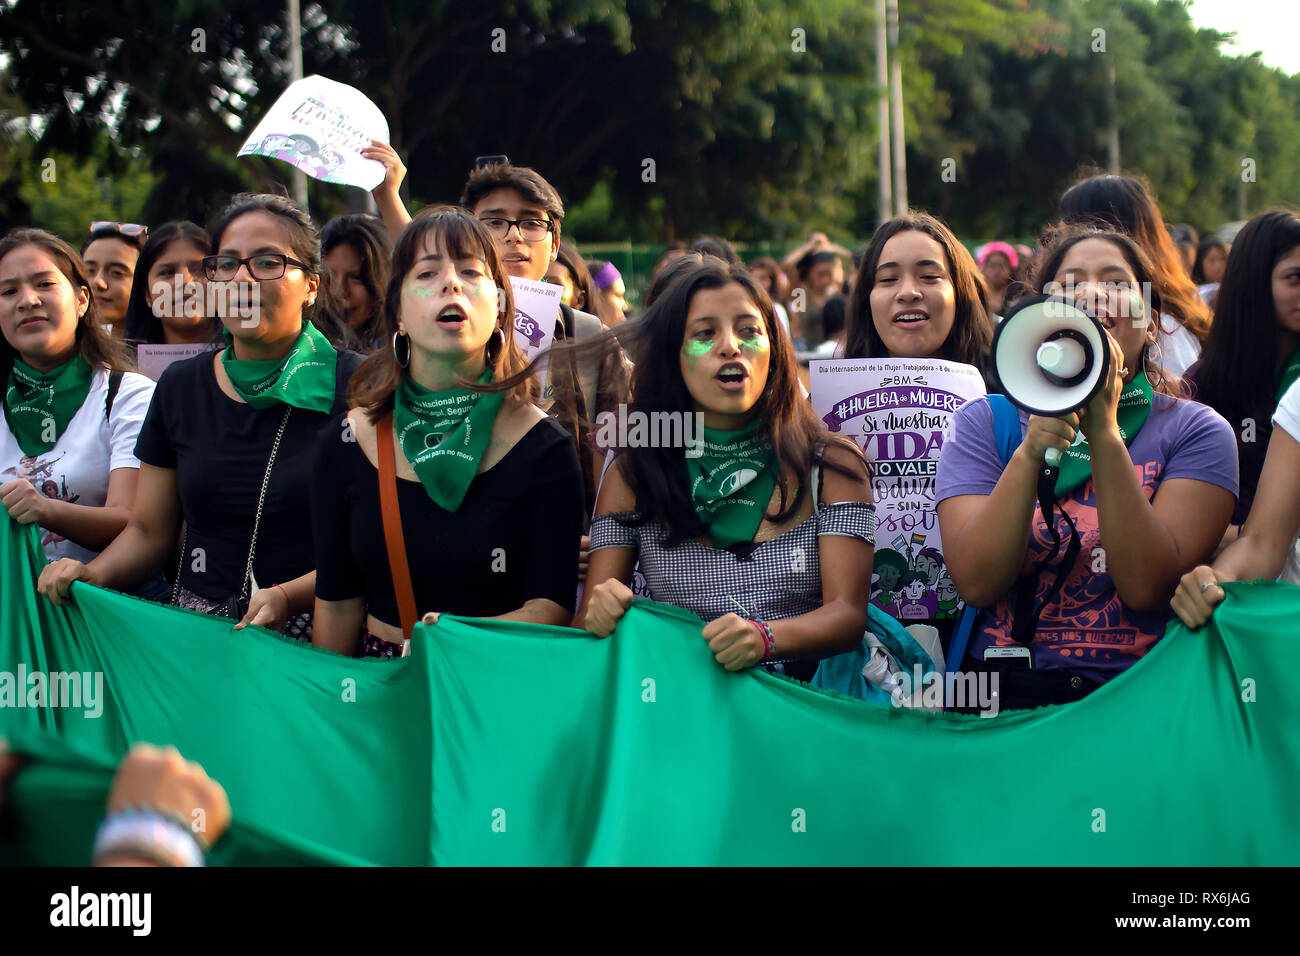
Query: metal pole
x: 299, y: 178
x: 896, y: 109
x: 884, y: 192
x: 1113, y: 103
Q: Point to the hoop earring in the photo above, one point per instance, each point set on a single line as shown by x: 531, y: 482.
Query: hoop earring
x: 1146, y: 365
x: 400, y: 336
x: 499, y: 340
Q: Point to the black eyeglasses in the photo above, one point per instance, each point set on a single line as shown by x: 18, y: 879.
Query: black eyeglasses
x: 132, y: 229
x: 264, y: 266
x: 532, y: 230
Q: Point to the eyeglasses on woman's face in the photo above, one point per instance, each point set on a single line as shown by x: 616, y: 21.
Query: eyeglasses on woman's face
x: 264, y: 266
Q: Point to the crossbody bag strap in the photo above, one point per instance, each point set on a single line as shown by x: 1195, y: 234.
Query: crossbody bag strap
x: 261, y: 502
x: 394, y: 541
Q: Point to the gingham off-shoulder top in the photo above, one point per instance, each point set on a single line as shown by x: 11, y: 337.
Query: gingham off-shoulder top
x: 779, y: 578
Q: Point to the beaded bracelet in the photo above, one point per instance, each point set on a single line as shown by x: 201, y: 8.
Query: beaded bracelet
x: 149, y: 835
x: 765, y: 631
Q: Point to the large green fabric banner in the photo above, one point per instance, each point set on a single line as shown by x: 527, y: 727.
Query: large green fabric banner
x: 502, y: 743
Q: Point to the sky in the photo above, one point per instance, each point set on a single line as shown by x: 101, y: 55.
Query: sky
x: 1270, y: 26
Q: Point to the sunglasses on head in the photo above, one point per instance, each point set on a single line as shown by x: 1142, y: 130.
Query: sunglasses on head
x: 124, y: 228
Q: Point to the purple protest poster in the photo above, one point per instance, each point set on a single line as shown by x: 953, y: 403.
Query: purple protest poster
x: 898, y: 411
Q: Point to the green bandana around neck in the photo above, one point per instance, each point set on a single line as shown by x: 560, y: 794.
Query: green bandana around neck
x: 39, y: 405
x: 305, y: 378
x: 1290, y: 373
x: 1134, y: 407
x: 444, y: 434
x: 731, y: 483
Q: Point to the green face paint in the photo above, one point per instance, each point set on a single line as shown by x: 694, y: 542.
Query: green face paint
x: 757, y: 344
x: 695, y: 350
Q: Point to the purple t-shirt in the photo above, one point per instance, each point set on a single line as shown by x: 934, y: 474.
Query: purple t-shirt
x: 1086, y: 629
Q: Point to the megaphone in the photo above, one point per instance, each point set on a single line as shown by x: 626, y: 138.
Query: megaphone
x: 1051, y: 357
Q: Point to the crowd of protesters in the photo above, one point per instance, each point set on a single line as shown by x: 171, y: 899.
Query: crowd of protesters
x: 360, y: 443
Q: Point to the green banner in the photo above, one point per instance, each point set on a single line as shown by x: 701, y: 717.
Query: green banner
x: 504, y: 743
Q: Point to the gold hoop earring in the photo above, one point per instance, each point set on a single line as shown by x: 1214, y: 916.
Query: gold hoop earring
x: 400, y: 336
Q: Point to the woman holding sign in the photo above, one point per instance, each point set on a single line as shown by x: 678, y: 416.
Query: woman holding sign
x: 1143, y: 496
x: 762, y: 525
x: 444, y: 489
x: 919, y: 295
x: 71, y: 412
x: 226, y: 446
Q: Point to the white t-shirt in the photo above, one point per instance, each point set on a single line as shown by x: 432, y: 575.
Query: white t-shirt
x: 76, y: 469
x: 1287, y: 418
x: 1178, y: 348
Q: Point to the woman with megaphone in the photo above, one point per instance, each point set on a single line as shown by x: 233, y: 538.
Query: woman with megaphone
x: 1143, y: 490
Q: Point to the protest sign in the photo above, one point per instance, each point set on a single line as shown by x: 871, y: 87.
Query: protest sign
x: 320, y: 127
x: 897, y: 410
x: 152, y: 359
x: 537, y: 308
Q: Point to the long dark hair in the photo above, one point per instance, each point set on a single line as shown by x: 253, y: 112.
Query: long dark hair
x: 972, y: 329
x: 376, y: 379
x: 1238, y: 374
x: 366, y: 236
x: 657, y: 476
x: 304, y: 243
x: 1125, y: 204
x: 97, y: 347
x: 143, y: 327
x: 1059, y: 240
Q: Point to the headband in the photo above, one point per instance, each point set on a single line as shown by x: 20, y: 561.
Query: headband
x: 607, y: 276
x: 1005, y: 248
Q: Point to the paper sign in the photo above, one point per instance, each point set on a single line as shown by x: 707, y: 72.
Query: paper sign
x: 320, y: 127
x: 898, y: 411
x: 537, y: 309
x: 152, y: 359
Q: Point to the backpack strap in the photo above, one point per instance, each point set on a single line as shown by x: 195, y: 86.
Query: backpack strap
x: 114, y: 383
x: 1006, y: 427
x: 392, y: 519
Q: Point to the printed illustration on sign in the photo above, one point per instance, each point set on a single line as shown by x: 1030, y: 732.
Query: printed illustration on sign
x: 898, y: 411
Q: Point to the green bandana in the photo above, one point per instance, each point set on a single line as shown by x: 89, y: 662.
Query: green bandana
x: 1290, y: 373
x: 732, y: 463
x: 1134, y: 407
x: 304, y: 378
x: 39, y: 405
x: 444, y: 434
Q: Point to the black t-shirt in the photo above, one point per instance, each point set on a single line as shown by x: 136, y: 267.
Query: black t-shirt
x: 514, y: 537
x: 219, y: 448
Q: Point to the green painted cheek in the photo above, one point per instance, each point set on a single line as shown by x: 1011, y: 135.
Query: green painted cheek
x: 755, y: 345
x: 696, y: 350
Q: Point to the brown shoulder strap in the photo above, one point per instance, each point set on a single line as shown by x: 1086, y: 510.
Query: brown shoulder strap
x: 392, y: 516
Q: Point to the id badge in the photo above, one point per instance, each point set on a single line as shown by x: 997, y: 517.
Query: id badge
x: 1013, y: 654
x: 406, y: 648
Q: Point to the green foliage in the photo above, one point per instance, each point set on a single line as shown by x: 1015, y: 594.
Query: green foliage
x: 760, y: 118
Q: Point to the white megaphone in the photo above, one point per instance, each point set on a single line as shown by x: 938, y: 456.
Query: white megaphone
x: 1051, y: 357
